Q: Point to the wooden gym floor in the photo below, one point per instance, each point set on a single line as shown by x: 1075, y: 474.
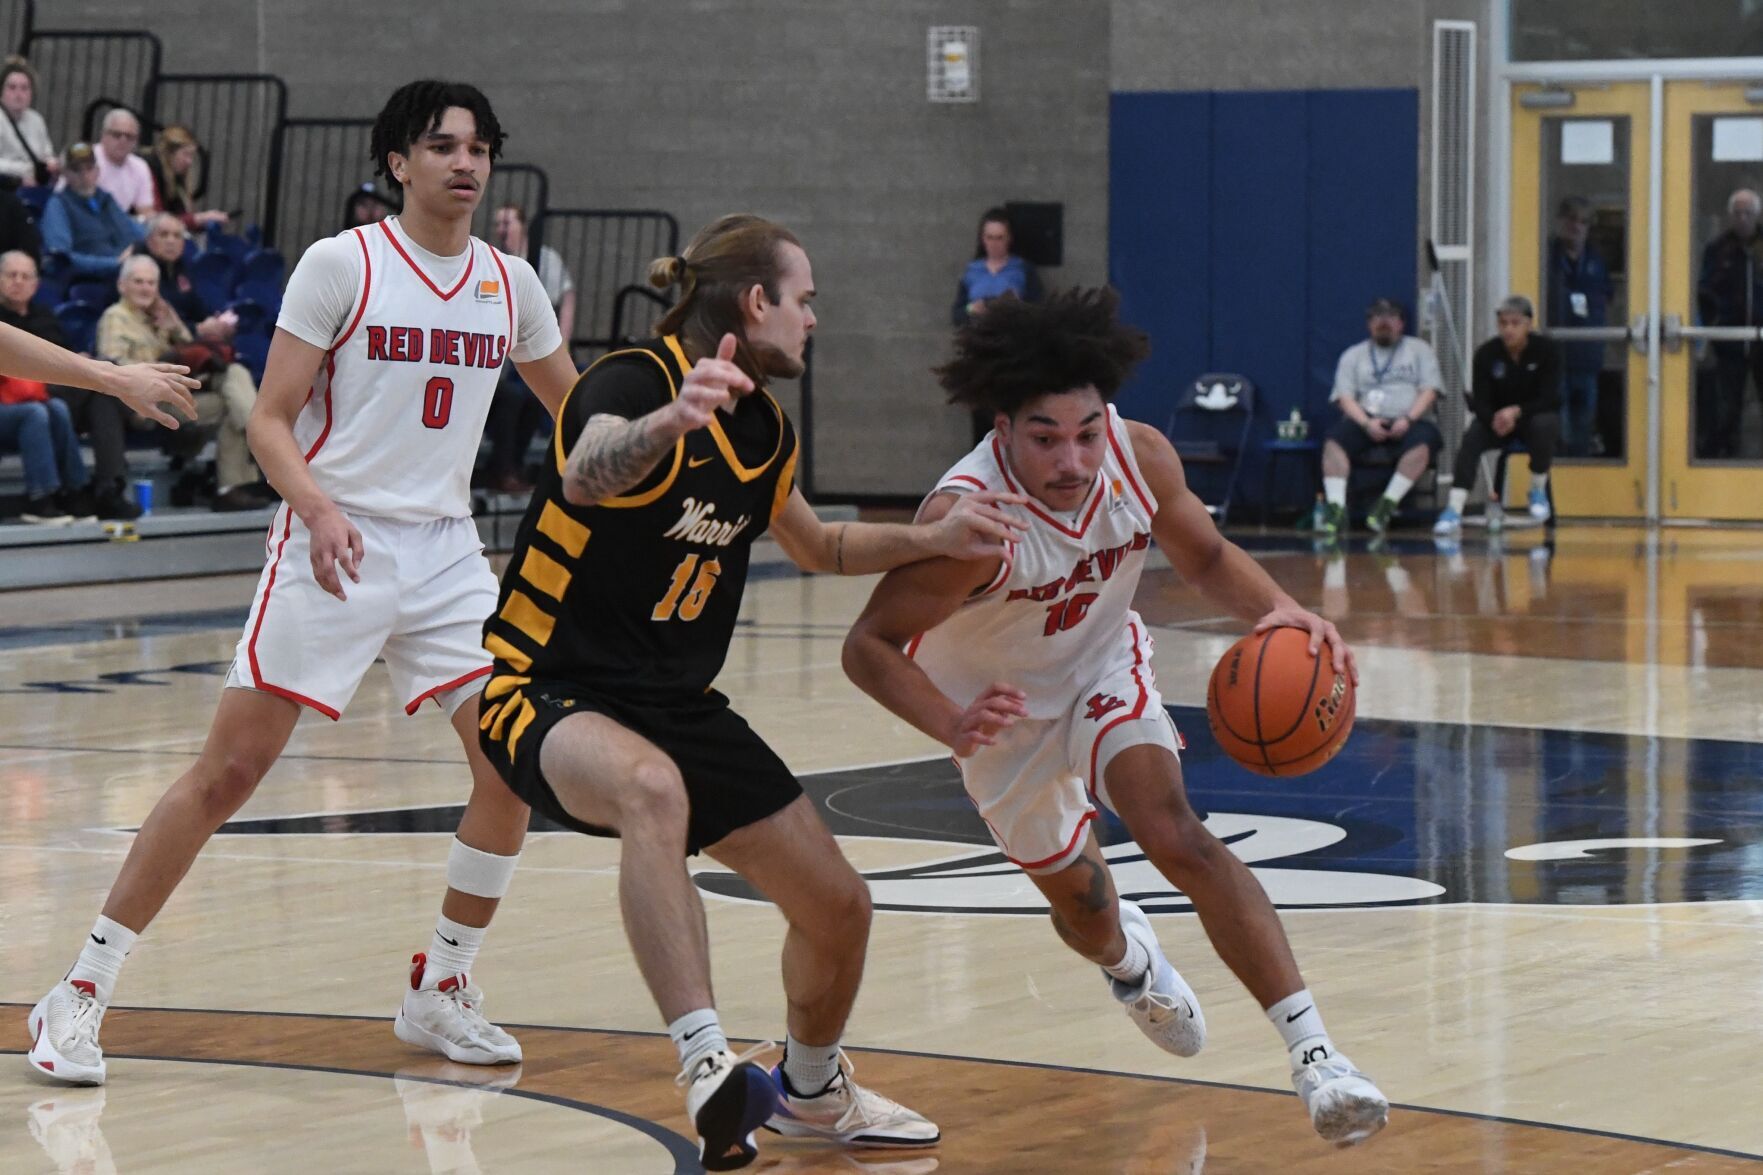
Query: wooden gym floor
x: 1528, y: 894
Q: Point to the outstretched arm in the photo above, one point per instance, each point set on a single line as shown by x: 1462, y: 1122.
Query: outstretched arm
x: 1219, y: 569
x: 908, y: 601
x: 975, y: 527
x: 142, y: 386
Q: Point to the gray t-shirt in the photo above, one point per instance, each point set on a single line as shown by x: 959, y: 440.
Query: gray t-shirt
x: 1386, y: 380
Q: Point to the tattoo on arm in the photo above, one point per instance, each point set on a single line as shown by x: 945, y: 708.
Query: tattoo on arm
x: 614, y: 454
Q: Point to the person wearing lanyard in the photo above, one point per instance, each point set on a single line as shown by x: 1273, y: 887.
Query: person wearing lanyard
x: 1385, y: 387
x: 1515, y: 395
x: 1579, y: 295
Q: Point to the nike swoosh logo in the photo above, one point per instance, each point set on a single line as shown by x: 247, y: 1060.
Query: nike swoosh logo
x: 694, y: 462
x: 101, y: 942
x: 694, y: 1032
x: 1292, y: 1019
x: 452, y: 942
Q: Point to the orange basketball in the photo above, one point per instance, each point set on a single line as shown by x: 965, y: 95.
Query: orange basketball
x: 1276, y: 709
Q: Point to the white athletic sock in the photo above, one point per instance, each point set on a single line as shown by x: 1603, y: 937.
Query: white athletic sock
x: 1398, y: 488
x: 1300, y: 1026
x: 809, y: 1068
x: 452, y: 950
x: 101, y: 958
x: 1459, y: 498
x: 1335, y: 490
x: 696, y: 1035
x: 1539, y: 482
x: 1132, y: 966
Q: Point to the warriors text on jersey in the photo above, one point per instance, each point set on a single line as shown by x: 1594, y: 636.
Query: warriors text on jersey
x: 1055, y: 614
x: 396, y: 413
x: 638, y: 594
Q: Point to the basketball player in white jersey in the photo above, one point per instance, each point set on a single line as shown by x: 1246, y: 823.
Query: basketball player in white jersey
x: 1035, y: 670
x: 386, y: 355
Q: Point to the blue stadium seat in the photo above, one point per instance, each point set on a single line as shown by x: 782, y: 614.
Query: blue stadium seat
x: 80, y: 321
x: 253, y: 351
x: 254, y: 317
x: 213, y: 274
x: 265, y: 294
x: 263, y: 265
x: 34, y: 198
x: 226, y: 245
x: 99, y: 293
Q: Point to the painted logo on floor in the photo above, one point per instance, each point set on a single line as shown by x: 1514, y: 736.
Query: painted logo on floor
x: 1406, y: 813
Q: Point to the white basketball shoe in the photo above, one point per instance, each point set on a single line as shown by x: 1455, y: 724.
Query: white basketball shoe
x: 64, y: 1034
x: 1344, y: 1106
x: 728, y: 1097
x: 1162, y: 1004
x: 449, y: 1019
x: 846, y: 1113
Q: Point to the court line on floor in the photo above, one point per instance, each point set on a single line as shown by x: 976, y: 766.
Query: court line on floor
x: 1239, y: 1087
x: 682, y: 1150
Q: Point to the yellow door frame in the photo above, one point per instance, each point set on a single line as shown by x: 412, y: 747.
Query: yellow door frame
x: 1692, y: 489
x: 1599, y: 488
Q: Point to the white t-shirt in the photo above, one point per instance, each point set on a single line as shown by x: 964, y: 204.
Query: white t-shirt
x: 1386, y: 380
x: 415, y: 345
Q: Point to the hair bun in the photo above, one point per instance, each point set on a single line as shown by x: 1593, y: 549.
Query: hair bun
x: 666, y: 271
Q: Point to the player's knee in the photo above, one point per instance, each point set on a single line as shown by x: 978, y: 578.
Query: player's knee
x: 655, y: 796
x: 843, y: 914
x: 223, y: 783
x: 1175, y: 839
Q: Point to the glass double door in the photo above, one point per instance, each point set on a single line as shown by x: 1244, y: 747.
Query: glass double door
x: 1663, y: 412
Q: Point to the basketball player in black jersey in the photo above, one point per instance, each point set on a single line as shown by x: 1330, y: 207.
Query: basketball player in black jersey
x: 615, y: 617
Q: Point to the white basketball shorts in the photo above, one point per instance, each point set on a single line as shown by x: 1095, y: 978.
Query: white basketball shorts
x: 424, y: 594
x: 1036, y: 788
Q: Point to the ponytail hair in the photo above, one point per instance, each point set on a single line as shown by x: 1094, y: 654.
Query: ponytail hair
x: 723, y: 261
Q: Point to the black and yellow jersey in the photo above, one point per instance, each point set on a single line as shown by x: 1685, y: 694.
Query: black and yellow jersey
x: 639, y: 593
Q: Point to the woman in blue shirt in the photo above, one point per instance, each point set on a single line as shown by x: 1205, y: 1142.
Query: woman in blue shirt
x: 994, y: 271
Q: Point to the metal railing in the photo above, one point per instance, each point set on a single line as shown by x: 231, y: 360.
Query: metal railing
x: 74, y: 65
x: 324, y: 161
x: 522, y: 184
x: 17, y: 17
x: 606, y: 252
x: 238, y: 117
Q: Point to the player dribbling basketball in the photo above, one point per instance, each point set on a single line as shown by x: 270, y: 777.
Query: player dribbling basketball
x: 1035, y: 670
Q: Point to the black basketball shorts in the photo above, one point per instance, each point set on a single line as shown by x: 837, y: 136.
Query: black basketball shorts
x: 732, y: 777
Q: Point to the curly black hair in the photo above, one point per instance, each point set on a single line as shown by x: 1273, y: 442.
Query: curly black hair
x: 1018, y: 351
x: 416, y: 108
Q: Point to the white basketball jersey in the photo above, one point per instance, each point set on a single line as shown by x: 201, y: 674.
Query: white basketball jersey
x: 396, y: 413
x: 1053, y: 618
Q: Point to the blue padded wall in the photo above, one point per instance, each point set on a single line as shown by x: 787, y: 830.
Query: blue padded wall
x: 1247, y: 231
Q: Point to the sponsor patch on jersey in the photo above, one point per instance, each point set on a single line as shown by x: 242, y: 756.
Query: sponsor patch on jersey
x: 488, y: 290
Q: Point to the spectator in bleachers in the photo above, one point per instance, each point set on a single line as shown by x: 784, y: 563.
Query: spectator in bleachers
x: 100, y: 419
x: 994, y: 272
x: 178, y: 179
x: 38, y: 426
x: 1580, y: 290
x: 1516, y: 395
x: 516, y: 414
x: 142, y: 327
x: 511, y: 238
x: 121, y: 172
x: 83, y: 223
x: 27, y: 157
x: 1385, y: 388
x: 366, y: 205
x: 165, y: 244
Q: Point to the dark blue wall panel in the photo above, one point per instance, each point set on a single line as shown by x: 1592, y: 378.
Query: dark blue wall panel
x: 1247, y: 231
x: 1160, y: 233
